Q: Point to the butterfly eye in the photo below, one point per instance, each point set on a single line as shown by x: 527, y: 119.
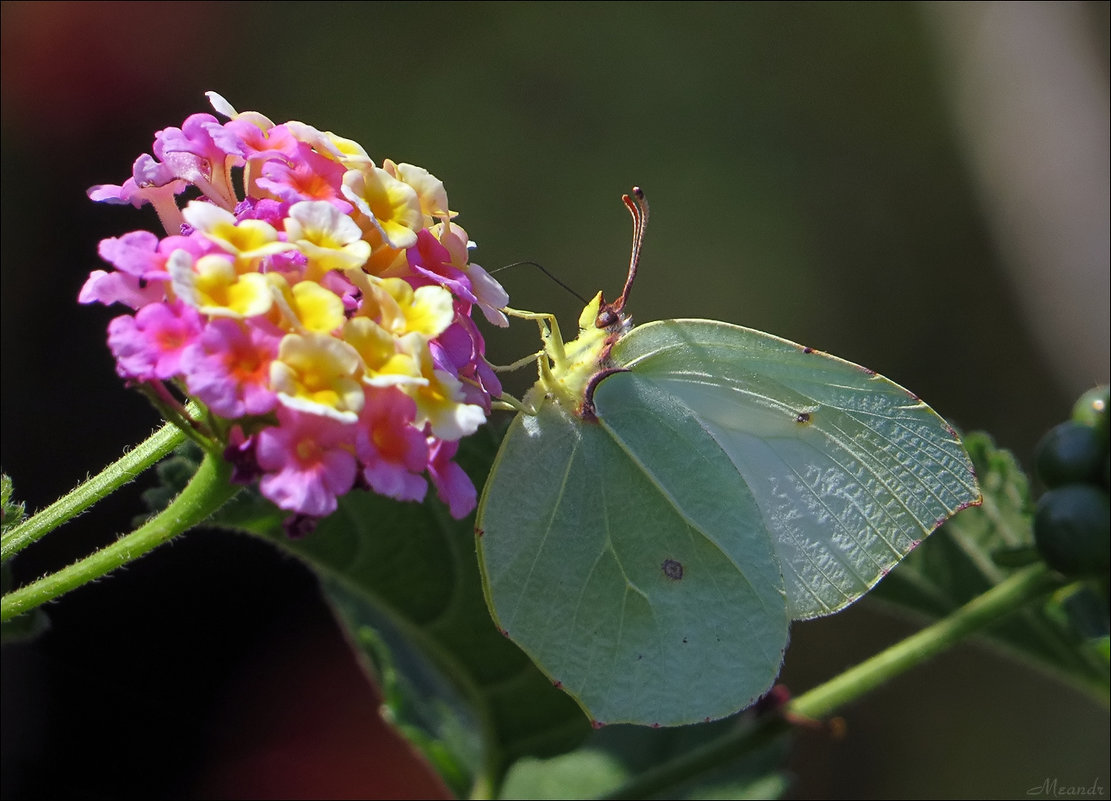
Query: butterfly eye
x: 606, y: 318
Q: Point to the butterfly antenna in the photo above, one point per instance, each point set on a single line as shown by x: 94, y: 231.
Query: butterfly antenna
x: 638, y: 209
x: 546, y: 272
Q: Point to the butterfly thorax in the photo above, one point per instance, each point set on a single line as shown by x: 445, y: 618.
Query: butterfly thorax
x: 569, y: 370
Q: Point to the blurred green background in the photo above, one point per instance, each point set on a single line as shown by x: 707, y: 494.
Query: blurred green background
x: 922, y: 189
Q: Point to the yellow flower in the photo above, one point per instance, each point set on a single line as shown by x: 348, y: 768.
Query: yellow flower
x: 248, y: 240
x: 318, y: 374
x: 212, y: 285
x: 329, y: 238
x: 392, y: 206
x: 387, y: 361
x: 430, y: 190
x: 440, y: 403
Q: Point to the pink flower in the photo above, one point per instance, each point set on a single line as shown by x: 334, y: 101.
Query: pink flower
x: 141, y: 270
x: 393, y: 451
x: 149, y: 345
x: 148, y: 178
x: 265, y: 209
x: 308, y: 462
x: 228, y: 367
x: 240, y: 453
x: 244, y: 138
x: 453, y: 486
x: 492, y: 298
x: 459, y: 350
x: 310, y: 176
x: 150, y: 182
x: 191, y: 155
x: 432, y: 261
x: 130, y: 290
x: 140, y: 258
x: 193, y: 138
x: 347, y: 292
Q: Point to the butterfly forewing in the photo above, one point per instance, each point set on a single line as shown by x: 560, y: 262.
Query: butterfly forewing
x: 849, y: 470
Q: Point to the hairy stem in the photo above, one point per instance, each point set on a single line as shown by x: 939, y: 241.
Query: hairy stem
x: 208, y: 490
x: 100, y: 486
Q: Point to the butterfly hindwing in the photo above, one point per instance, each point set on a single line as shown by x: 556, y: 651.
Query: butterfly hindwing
x: 623, y: 577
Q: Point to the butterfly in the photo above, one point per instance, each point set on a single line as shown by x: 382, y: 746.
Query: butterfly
x: 673, y: 495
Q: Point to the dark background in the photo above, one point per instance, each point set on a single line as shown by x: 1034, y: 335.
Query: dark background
x: 920, y: 189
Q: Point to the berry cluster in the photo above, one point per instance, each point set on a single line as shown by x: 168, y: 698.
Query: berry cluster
x: 1072, y: 524
x: 315, y: 304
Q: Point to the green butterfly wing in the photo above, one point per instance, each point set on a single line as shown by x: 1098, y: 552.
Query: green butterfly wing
x: 849, y: 470
x: 640, y: 593
x: 650, y: 561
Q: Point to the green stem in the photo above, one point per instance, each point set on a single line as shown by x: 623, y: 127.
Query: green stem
x: 208, y: 490
x: 483, y: 788
x: 1025, y: 585
x: 111, y: 478
x: 1020, y: 588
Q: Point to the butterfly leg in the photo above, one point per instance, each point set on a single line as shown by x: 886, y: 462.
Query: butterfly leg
x: 507, y: 403
x: 517, y: 365
x: 549, y: 333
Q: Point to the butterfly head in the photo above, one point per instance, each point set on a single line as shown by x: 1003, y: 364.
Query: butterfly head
x: 571, y: 370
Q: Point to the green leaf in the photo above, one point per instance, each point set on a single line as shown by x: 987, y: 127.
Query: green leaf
x: 404, y: 582
x: 752, y: 771
x: 616, y: 755
x: 976, y: 550
x: 419, y: 700
x: 584, y: 773
x: 173, y: 474
x: 650, y: 557
x: 11, y: 513
x: 22, y: 627
x: 32, y: 624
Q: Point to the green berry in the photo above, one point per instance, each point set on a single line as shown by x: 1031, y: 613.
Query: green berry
x: 1091, y: 410
x: 1070, y: 453
x: 1072, y: 529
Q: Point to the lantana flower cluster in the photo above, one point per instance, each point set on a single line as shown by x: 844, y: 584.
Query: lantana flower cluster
x: 323, y: 318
